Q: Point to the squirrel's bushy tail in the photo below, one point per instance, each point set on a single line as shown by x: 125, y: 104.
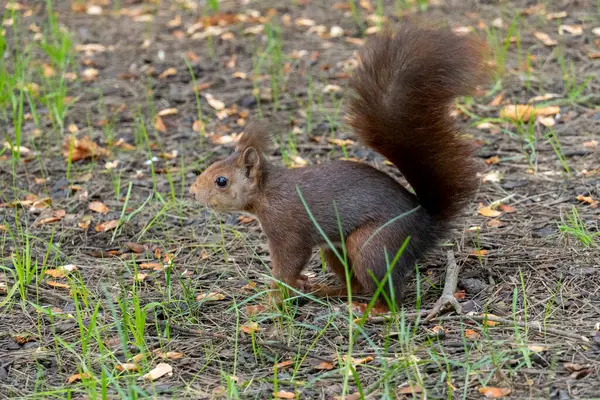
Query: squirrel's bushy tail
x: 405, y: 86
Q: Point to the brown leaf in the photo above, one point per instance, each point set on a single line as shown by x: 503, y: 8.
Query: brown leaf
x: 589, y: 200
x: 78, y: 377
x: 487, y: 211
x: 250, y: 327
x: 136, y: 247
x: 284, y: 395
x: 167, y: 111
x: 160, y: 370
x: 493, y: 392
x: 460, y: 295
x: 57, y: 285
x: 494, y: 223
x: 324, y: 365
x: 168, y: 72
x: 592, y: 144
x: 214, y: 103
x: 284, y: 364
x: 81, y: 149
x: 153, y: 266
x: 253, y: 310
x: 492, y: 160
x: 89, y: 74
x: 140, y: 277
x: 409, y: 390
x: 507, y: 208
x: 127, y: 367
x: 98, y: 207
x: 545, y: 38
x: 159, y: 124
x: 575, y: 30
x: 107, y: 226
x: 171, y: 355
x: 471, y: 334
x: 479, y: 253
x: 57, y: 216
x: 85, y: 222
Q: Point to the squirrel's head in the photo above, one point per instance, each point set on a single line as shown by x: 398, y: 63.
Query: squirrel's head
x: 234, y: 184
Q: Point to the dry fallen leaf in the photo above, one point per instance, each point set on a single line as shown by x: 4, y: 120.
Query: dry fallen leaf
x: 493, y: 392
x: 159, y: 124
x: 524, y: 112
x: 127, y: 367
x: 250, y: 327
x: 545, y: 38
x: 107, y: 226
x: 589, y: 200
x: 592, y: 144
x: 507, y: 208
x: 494, y: 223
x: 140, y: 277
x: 324, y: 365
x: 168, y: 72
x: 492, y: 160
x: 471, y: 334
x: 284, y: 395
x: 58, y: 285
x: 171, y: 355
x: 214, y: 103
x: 210, y: 296
x: 160, y: 370
x: 89, y: 74
x: 479, y: 253
x: 81, y: 149
x: 98, y: 207
x: 253, y: 310
x: 492, y: 176
x: 409, y: 390
x: 284, y: 364
x: 167, y: 111
x: 575, y: 30
x: 152, y: 266
x: 60, y: 272
x: 78, y: 377
x: 487, y: 211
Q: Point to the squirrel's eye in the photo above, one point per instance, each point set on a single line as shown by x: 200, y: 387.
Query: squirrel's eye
x: 221, y: 182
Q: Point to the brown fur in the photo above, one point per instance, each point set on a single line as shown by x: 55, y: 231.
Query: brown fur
x: 404, y: 88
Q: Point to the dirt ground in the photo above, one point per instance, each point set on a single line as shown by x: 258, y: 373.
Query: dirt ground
x: 529, y: 265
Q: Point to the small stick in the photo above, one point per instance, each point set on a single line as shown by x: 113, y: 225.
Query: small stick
x: 528, y: 325
x: 198, y: 332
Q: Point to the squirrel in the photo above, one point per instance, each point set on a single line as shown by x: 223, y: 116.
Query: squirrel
x: 403, y: 88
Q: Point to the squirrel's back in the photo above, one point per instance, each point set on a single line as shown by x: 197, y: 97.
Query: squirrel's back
x: 404, y: 88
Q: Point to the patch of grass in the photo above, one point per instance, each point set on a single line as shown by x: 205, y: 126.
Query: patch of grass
x: 573, y: 225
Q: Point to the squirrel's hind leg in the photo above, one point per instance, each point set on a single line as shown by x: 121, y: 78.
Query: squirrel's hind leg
x: 333, y: 262
x: 367, y: 247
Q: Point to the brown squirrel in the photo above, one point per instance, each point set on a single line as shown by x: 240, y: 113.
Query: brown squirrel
x: 405, y: 86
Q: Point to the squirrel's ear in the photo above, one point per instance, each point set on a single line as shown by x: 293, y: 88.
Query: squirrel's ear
x: 250, y: 161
